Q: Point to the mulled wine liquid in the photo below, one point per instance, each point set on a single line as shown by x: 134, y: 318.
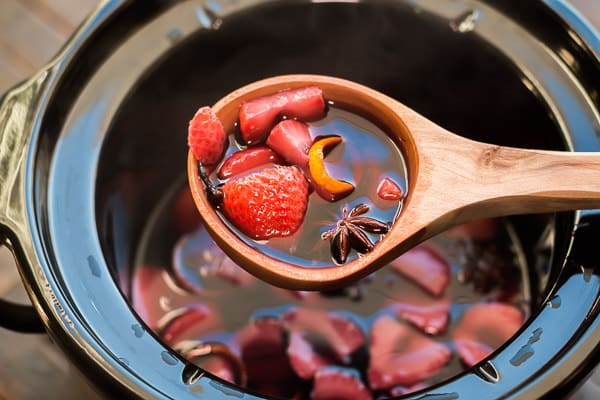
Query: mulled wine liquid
x: 366, y: 156
x: 280, y: 342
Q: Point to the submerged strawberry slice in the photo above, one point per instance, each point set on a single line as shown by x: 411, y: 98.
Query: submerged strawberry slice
x: 426, y: 267
x: 190, y: 321
x: 257, y: 116
x: 206, y: 136
x: 334, y: 383
x: 429, y: 314
x: 401, y: 356
x: 263, y: 348
x: 304, y: 359
x: 483, y: 328
x: 269, y: 203
x: 246, y: 160
x: 327, y: 330
x: 291, y: 140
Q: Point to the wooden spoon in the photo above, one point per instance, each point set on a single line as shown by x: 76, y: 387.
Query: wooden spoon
x: 451, y: 180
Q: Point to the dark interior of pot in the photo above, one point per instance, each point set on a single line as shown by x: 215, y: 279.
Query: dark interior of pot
x: 487, y: 277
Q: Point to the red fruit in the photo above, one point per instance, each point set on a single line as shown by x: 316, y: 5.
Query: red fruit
x: 306, y: 104
x: 263, y: 349
x: 483, y: 328
x: 146, y: 281
x: 337, y: 333
x: 398, y: 391
x: 269, y: 203
x: 425, y: 267
x: 429, y: 314
x: 206, y: 136
x: 257, y: 116
x: 185, y: 214
x: 333, y: 383
x: 402, y: 356
x: 187, y: 322
x: 291, y: 140
x: 389, y: 190
x: 247, y: 160
x: 304, y: 359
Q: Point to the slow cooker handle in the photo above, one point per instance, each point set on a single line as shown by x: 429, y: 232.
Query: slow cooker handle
x: 17, y: 118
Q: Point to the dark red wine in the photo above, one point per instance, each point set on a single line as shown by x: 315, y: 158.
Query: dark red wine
x: 422, y: 319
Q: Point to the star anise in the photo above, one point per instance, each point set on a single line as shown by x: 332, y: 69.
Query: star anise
x: 350, y: 232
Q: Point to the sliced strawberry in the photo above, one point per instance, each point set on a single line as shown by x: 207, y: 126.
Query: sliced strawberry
x: 291, y: 140
x: 429, y: 314
x: 389, y: 190
x: 402, y: 356
x: 304, y: 359
x: 263, y: 349
x: 246, y: 160
x: 206, y: 136
x: 307, y: 103
x: 483, y: 328
x: 334, y: 332
x: 268, y: 203
x: 189, y: 322
x: 334, y: 383
x: 257, y: 116
x: 426, y: 267
x: 185, y: 214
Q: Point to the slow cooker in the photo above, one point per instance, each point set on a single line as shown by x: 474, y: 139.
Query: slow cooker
x: 90, y: 143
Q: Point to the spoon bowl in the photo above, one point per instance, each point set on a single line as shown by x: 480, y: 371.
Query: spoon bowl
x: 451, y: 180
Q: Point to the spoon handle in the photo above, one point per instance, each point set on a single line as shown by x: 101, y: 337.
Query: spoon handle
x: 496, y: 180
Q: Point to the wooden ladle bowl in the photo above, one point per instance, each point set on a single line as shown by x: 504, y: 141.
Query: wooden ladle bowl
x: 451, y: 180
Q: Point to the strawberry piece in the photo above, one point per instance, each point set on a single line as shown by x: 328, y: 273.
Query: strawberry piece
x: 263, y: 349
x: 429, y: 314
x: 188, y: 322
x: 185, y: 215
x: 269, y: 203
x: 304, y: 359
x: 206, y: 136
x: 401, y: 356
x: 291, y: 139
x: 425, y: 267
x: 258, y: 115
x: 334, y: 383
x: 334, y: 332
x: 389, y: 190
x: 247, y: 160
x: 306, y: 104
x: 483, y: 328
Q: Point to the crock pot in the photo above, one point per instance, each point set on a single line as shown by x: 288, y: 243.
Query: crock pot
x: 90, y: 142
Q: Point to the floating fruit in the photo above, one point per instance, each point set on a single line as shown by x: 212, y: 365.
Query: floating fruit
x: 206, y: 136
x: 291, y: 140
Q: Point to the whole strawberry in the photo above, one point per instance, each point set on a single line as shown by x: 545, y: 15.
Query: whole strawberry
x: 268, y: 203
x: 206, y: 136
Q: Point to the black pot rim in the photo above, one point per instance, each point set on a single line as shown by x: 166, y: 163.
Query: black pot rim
x: 119, y: 358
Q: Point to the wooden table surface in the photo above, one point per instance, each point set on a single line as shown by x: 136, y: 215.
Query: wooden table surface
x: 31, y: 32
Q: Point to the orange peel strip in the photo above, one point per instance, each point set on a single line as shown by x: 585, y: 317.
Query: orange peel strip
x: 328, y: 187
